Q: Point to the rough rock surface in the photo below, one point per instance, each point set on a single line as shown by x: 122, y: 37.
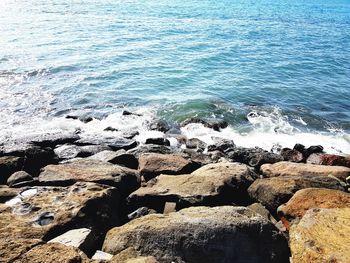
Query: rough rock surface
x: 45, y: 212
x: 275, y: 191
x: 19, y: 177
x: 120, y: 157
x: 7, y: 193
x: 213, y: 184
x: 289, y: 168
x: 125, y: 179
x: 329, y: 159
x: 73, y: 151
x: 53, y: 252
x: 308, y: 198
x: 292, y: 155
x: 322, y: 235
x: 12, y: 249
x: 153, y: 164
x: 9, y: 165
x: 201, y: 234
x: 195, y: 143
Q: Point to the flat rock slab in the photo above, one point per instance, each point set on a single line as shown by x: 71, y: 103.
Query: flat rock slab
x: 53, y: 252
x: 322, y: 235
x: 308, y: 198
x: 201, y: 234
x: 125, y: 179
x: 289, y: 168
x: 275, y: 191
x: 213, y: 184
x: 153, y: 164
x: 120, y: 157
x: 73, y: 151
x: 46, y: 212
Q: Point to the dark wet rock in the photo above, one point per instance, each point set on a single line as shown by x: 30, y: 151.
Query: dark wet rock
x: 299, y: 147
x: 125, y: 179
x: 36, y: 158
x: 123, y: 145
x: 7, y: 193
x: 153, y: 164
x: 68, y: 151
x: 254, y: 157
x: 130, y: 135
x: 150, y: 148
x: 195, y: 143
x: 19, y: 177
x: 292, y: 155
x: 72, y: 117
x: 275, y: 191
x: 309, y: 198
x: 120, y: 157
x: 126, y: 113
x: 142, y: 211
x: 158, y: 141
x: 51, y: 140
x: 321, y: 236
x: 213, y: 123
x: 213, y: 184
x: 308, y: 151
x: 109, y: 128
x: 84, y: 119
x: 46, y: 212
x: 201, y: 234
x: 9, y: 165
x: 329, y: 159
x: 53, y: 252
x: 302, y: 169
x: 203, y: 158
x: 159, y: 125
x: 222, y: 145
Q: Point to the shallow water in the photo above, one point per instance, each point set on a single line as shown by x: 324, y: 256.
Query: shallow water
x: 287, y: 61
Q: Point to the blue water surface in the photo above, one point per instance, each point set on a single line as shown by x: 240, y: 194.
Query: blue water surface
x: 180, y: 57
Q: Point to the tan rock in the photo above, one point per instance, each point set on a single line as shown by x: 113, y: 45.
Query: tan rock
x: 201, y: 234
x: 308, y: 198
x: 275, y: 191
x: 293, y: 169
x: 153, y: 164
x: 46, y: 212
x: 6, y: 193
x: 125, y: 179
x: 321, y: 236
x: 12, y: 249
x: 53, y: 252
x: 220, y: 183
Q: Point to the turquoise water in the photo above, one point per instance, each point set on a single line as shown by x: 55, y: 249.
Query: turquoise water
x: 286, y: 60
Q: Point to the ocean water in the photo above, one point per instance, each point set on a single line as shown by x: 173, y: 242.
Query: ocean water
x: 287, y: 62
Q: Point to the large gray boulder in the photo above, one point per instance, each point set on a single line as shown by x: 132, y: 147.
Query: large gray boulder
x: 201, y: 234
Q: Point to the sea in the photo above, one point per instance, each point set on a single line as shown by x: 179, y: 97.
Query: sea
x: 278, y: 71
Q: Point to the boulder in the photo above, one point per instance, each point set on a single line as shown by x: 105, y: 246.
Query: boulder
x: 53, y: 252
x: 120, y: 157
x: 153, y: 164
x: 213, y: 184
x: 302, y: 169
x: 322, y: 235
x: 36, y: 158
x: 292, y: 155
x: 275, y: 191
x: 308, y: 198
x: 113, y: 143
x: 125, y: 179
x: 53, y: 139
x: 261, y: 210
x: 100, y: 255
x: 126, y: 113
x: 18, y: 178
x: 159, y: 125
x: 212, y: 123
x: 158, y: 141
x: 150, y: 148
x: 201, y: 234
x: 329, y: 159
x: 9, y: 165
x: 254, y: 157
x: 73, y: 151
x: 222, y: 145
x: 82, y: 238
x: 7, y: 193
x: 195, y: 143
x: 46, y: 212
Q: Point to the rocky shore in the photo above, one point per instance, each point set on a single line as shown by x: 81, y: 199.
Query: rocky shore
x: 66, y: 198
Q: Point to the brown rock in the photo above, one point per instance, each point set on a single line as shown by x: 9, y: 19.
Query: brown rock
x: 289, y: 168
x: 9, y: 165
x: 275, y: 191
x: 12, y: 249
x: 322, y: 235
x: 292, y: 155
x: 201, y: 234
x: 45, y: 212
x: 53, y: 252
x: 213, y: 184
x: 19, y: 177
x: 120, y: 157
x: 329, y: 159
x: 125, y: 179
x: 308, y: 198
x: 6, y: 193
x: 153, y: 164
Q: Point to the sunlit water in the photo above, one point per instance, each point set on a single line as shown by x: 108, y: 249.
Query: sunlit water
x: 287, y: 61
